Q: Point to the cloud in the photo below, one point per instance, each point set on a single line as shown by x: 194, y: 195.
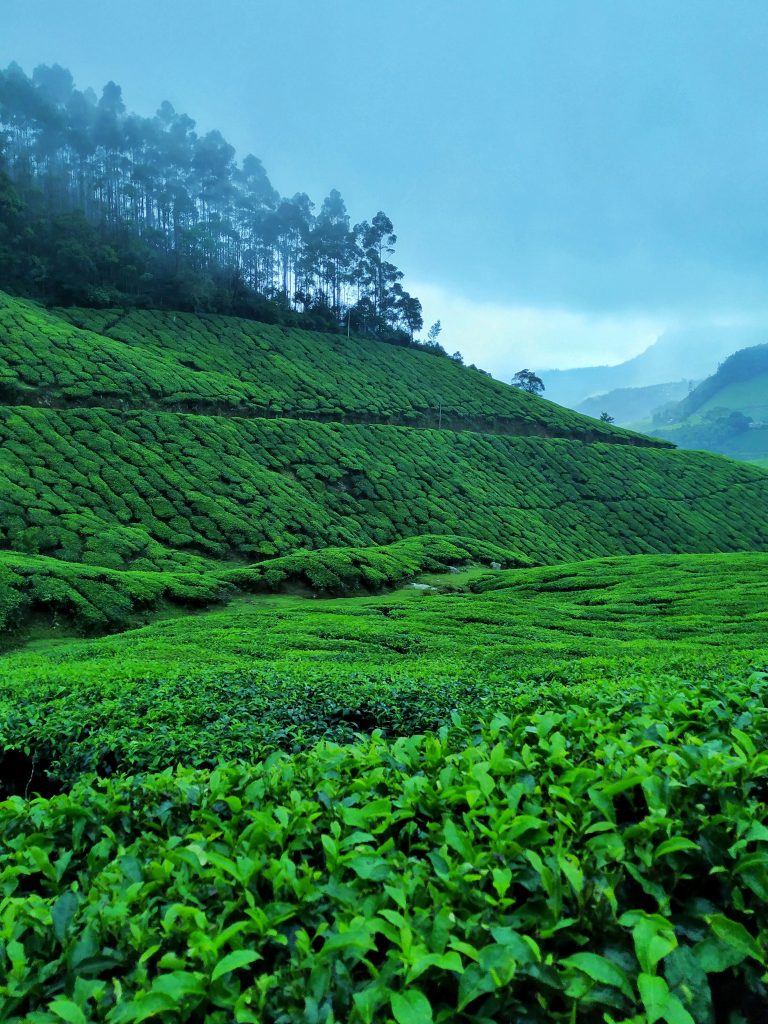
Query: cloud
x: 504, y: 338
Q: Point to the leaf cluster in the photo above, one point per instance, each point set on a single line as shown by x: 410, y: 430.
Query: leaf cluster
x: 604, y: 862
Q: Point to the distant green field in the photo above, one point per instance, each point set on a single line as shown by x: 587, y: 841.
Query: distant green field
x: 716, y: 415
x: 748, y: 396
x: 47, y: 594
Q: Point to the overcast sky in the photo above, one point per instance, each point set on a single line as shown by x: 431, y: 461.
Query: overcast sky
x: 567, y: 178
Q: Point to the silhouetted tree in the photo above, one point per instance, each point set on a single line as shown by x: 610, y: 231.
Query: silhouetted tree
x: 527, y: 380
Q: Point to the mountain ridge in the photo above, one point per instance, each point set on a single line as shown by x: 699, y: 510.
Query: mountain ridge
x: 688, y: 353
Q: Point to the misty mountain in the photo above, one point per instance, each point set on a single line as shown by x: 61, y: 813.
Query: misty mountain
x: 631, y: 405
x: 685, y: 354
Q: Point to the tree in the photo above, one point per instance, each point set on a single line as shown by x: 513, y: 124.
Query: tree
x: 606, y: 417
x: 527, y: 380
x: 409, y: 310
x: 434, y: 333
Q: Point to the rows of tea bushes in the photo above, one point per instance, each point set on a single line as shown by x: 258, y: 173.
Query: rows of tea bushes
x: 282, y: 671
x: 346, y: 570
x: 161, y: 490
x: 74, y: 597
x: 89, y: 598
x: 148, y: 359
x: 603, y: 860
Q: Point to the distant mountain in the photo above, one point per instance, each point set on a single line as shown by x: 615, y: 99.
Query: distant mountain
x: 727, y: 412
x: 632, y: 405
x: 689, y: 354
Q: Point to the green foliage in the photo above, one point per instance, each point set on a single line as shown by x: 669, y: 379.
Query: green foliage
x: 220, y: 365
x: 601, y: 861
x: 285, y: 672
x: 88, y: 216
x: 747, y: 367
x: 345, y: 570
x: 88, y: 598
x: 172, y: 492
x: 526, y: 380
x: 551, y: 802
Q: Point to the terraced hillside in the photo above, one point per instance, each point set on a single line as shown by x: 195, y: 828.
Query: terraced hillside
x: 126, y: 485
x: 222, y: 365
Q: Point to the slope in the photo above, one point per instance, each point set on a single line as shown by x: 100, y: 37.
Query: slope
x: 165, y: 491
x: 224, y: 366
x: 727, y: 412
x: 685, y: 353
x: 108, y: 460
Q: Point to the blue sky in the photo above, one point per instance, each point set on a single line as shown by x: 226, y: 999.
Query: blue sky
x: 567, y: 178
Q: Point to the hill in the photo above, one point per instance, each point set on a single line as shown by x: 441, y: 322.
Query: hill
x: 633, y: 405
x: 690, y: 354
x: 218, y: 365
x: 727, y: 412
x: 158, y: 441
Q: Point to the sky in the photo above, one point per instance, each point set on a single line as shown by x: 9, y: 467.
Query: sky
x: 567, y: 178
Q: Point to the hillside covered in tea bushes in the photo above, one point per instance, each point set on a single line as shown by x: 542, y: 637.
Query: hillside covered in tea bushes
x: 153, y: 441
x: 144, y: 359
x: 426, y: 700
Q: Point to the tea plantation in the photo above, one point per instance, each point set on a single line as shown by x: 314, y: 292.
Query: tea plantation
x: 279, y: 740
x: 148, y: 359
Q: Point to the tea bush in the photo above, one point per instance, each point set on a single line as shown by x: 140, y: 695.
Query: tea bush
x: 602, y: 862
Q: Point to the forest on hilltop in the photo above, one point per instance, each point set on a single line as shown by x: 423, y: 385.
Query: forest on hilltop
x: 102, y: 207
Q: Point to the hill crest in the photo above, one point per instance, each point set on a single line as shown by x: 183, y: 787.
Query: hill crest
x: 217, y: 365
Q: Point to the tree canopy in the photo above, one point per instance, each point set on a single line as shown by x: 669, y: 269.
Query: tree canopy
x: 527, y: 380
x: 99, y: 206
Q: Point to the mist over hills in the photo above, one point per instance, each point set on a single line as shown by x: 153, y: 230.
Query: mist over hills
x: 727, y: 412
x: 687, y: 354
x: 631, y: 405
